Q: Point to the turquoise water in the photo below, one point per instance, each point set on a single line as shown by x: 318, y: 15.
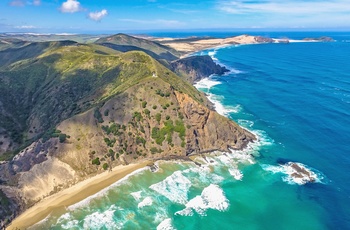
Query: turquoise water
x: 296, y: 99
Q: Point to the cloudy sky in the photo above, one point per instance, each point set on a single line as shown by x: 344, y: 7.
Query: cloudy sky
x: 135, y: 15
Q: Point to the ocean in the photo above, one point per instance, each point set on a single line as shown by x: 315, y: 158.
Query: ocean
x: 296, y: 98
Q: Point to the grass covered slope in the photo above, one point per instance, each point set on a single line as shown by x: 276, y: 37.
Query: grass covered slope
x: 125, y: 43
x: 74, y: 110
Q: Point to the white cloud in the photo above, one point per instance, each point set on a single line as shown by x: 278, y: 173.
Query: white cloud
x: 287, y: 13
x: 25, y: 27
x: 292, y: 7
x: 70, y: 6
x: 23, y: 2
x: 98, y: 15
x: 156, y: 21
x: 36, y: 2
x: 17, y: 3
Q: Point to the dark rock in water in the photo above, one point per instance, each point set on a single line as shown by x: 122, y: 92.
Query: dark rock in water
x: 321, y: 39
x: 261, y: 39
x: 153, y: 167
x: 301, y: 174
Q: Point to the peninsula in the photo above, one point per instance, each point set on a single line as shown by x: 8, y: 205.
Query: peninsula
x: 72, y: 110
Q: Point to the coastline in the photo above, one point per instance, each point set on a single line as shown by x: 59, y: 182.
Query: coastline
x: 91, y: 186
x: 72, y: 195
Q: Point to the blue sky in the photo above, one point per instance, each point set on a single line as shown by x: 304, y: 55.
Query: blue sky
x: 94, y: 16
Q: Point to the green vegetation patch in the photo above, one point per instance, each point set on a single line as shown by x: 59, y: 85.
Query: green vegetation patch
x: 96, y: 161
x: 155, y: 150
x: 109, y: 142
x: 98, y: 116
x: 159, y: 135
x: 112, y: 129
x: 54, y: 133
x: 105, y: 166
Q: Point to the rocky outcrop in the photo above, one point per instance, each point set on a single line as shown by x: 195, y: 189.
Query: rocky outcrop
x: 210, y: 131
x: 260, y: 39
x: 195, y: 68
x: 320, y: 39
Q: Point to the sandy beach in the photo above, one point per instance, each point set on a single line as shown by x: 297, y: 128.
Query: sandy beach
x: 183, y: 45
x: 72, y: 195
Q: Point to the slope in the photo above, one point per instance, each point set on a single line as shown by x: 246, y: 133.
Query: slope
x: 82, y: 109
x: 124, y: 43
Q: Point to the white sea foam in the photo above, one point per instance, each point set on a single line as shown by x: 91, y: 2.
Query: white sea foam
x: 212, y: 55
x: 212, y: 197
x: 160, y: 215
x: 146, y: 202
x: 220, y: 108
x: 236, y: 173
x: 64, y: 218
x: 206, y: 83
x: 70, y: 224
x: 166, y: 225
x: 174, y: 187
x: 245, y: 123
x: 202, y: 175
x: 103, y: 192
x: 136, y: 195
x: 292, y: 176
x: 99, y: 220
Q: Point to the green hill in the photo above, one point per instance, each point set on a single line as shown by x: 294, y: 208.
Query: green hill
x: 70, y: 110
x: 125, y: 43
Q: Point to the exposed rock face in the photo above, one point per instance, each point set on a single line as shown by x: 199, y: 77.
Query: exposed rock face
x: 321, y: 39
x: 210, y: 131
x: 195, y: 68
x: 260, y: 39
x: 301, y: 174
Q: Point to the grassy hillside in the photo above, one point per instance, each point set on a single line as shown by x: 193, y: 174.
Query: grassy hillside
x: 44, y: 83
x: 125, y: 43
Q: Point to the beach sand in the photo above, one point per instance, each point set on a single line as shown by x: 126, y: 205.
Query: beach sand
x: 201, y: 44
x: 72, y: 195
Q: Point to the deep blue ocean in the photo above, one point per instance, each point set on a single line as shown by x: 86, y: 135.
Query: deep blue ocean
x: 296, y: 98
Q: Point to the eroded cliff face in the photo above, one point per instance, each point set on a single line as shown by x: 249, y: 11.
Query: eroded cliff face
x: 195, y: 68
x: 150, y: 120
x: 209, y: 130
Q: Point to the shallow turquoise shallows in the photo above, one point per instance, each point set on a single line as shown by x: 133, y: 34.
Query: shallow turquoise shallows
x: 296, y: 98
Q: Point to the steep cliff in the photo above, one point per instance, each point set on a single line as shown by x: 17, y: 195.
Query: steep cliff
x: 195, y: 68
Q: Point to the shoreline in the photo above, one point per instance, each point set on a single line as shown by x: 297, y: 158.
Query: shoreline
x: 73, y: 195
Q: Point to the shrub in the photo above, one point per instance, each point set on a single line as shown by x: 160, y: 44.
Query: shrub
x: 144, y: 103
x: 155, y: 150
x: 106, y: 112
x: 96, y: 161
x: 154, y: 107
x: 158, y: 117
x: 98, y: 116
x: 105, y: 166
x: 147, y: 112
x: 62, y: 137
x: 140, y: 140
x: 137, y: 116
